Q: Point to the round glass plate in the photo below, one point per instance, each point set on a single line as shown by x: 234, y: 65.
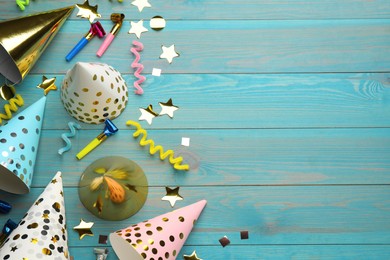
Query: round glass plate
x: 113, y: 188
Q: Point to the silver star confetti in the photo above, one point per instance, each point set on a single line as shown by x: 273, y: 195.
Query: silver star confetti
x: 169, y: 53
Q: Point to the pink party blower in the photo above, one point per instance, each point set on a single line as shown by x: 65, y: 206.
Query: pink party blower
x: 118, y: 20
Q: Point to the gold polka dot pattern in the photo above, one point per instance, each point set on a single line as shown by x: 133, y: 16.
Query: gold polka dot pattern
x: 42, y: 231
x: 161, y: 237
x: 94, y: 92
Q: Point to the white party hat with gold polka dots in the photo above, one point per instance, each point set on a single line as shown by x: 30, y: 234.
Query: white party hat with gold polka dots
x: 41, y: 234
x: 19, y: 140
x: 93, y: 92
x: 159, y: 238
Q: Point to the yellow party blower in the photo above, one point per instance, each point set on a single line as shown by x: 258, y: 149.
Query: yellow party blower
x: 109, y: 129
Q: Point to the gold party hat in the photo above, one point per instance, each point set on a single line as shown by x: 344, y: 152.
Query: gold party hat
x: 24, y: 39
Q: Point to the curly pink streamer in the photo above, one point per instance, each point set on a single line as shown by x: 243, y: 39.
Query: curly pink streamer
x: 138, y: 46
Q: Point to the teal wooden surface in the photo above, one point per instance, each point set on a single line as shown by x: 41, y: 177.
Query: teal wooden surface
x: 287, y: 104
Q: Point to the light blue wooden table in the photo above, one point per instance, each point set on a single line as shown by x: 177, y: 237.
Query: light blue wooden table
x: 287, y: 104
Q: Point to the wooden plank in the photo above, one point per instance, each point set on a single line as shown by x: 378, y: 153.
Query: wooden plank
x: 228, y: 9
x: 258, y: 252
x: 245, y: 101
x: 235, y: 157
x: 326, y: 215
x: 287, y: 47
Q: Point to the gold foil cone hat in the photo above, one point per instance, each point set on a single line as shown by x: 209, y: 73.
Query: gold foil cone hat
x: 24, y: 39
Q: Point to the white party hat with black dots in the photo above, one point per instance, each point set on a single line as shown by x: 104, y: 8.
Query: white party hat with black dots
x: 19, y: 140
x: 41, y: 234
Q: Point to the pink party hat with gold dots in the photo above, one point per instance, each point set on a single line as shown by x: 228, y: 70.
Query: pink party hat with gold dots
x: 41, y: 234
x: 159, y: 238
x: 19, y: 140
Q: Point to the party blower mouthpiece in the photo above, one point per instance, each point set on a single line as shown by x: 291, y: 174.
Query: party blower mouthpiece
x: 109, y: 130
x: 95, y: 30
x: 101, y: 253
x: 118, y: 20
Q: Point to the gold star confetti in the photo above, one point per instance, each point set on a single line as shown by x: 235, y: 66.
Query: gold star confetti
x: 169, y: 53
x: 137, y: 28
x: 172, y: 195
x: 14, y: 248
x: 54, y: 239
x: 45, y: 215
x: 168, y: 108
x: 47, y: 85
x: 147, y: 114
x: 53, y: 181
x: 84, y: 229
x: 193, y: 256
x: 88, y: 11
x: 141, y: 4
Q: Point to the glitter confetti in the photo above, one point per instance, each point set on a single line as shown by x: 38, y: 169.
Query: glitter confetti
x: 176, y: 162
x: 169, y: 53
x: 137, y: 28
x: 172, y: 196
x: 65, y: 136
x: 224, y: 241
x: 47, y: 85
x: 12, y: 106
x: 138, y: 46
x: 147, y: 114
x: 84, y: 229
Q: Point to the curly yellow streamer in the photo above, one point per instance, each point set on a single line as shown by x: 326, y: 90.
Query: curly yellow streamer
x: 12, y: 106
x: 176, y: 162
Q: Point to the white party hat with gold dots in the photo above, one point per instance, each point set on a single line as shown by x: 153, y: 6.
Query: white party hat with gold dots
x: 93, y: 92
x: 41, y: 234
x: 19, y: 140
x: 159, y: 238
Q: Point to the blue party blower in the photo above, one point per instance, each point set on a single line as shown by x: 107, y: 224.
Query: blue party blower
x: 5, y: 207
x: 95, y: 30
x: 6, y: 231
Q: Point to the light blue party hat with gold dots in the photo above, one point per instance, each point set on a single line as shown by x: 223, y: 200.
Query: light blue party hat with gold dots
x: 19, y: 140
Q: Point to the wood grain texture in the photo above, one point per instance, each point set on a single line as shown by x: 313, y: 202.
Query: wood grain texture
x: 225, y: 10
x: 287, y: 104
x: 255, y: 46
x: 230, y: 101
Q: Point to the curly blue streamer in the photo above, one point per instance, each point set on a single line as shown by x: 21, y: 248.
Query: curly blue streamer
x: 65, y: 136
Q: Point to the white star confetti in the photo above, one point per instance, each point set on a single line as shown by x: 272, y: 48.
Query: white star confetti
x: 169, y: 53
x: 137, y: 28
x: 141, y: 4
